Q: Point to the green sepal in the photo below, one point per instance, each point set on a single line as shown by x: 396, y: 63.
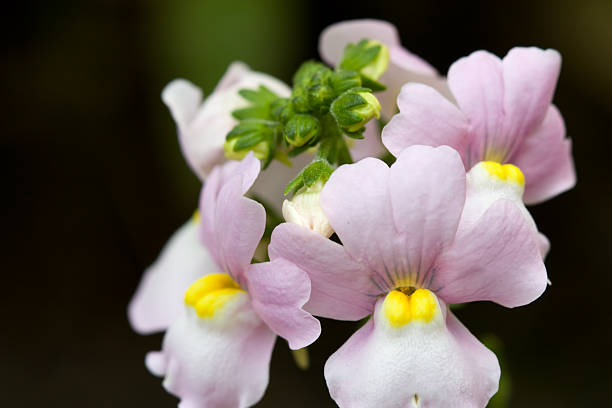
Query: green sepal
x: 374, y: 85
x: 260, y: 96
x: 357, y: 56
x: 318, y: 169
x: 252, y: 112
x: 356, y: 135
x: 344, y: 80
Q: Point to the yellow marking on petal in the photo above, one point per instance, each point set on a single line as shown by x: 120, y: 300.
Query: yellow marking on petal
x: 196, y: 217
x: 401, y: 309
x: 506, y: 172
x: 423, y: 305
x: 213, y: 301
x: 211, y: 292
x: 396, y: 308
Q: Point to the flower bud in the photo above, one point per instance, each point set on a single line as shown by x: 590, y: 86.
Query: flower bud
x: 344, y: 80
x: 304, y: 209
x: 261, y: 150
x: 301, y: 129
x: 376, y: 67
x: 354, y: 108
x: 368, y: 57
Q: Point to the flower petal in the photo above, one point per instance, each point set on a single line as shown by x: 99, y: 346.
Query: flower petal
x: 421, y: 364
x: 530, y: 77
x: 477, y: 84
x: 496, y: 258
x: 425, y: 117
x: 340, y: 287
x: 357, y: 203
x: 427, y: 188
x: 278, y: 291
x: 219, y: 362
x: 232, y: 224
x: 546, y: 159
x: 183, y: 100
x: 159, y: 297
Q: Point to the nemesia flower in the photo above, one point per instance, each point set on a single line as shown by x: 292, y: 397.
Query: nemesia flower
x: 503, y: 114
x: 403, y: 65
x: 410, y: 247
x: 217, y: 351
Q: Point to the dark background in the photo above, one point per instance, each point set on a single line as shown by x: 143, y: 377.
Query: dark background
x: 96, y: 184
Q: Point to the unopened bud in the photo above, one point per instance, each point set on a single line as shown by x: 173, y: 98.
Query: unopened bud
x: 304, y: 209
x: 375, y: 68
x: 301, y: 129
x: 354, y: 108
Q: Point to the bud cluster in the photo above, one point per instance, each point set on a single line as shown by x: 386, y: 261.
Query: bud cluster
x: 323, y: 106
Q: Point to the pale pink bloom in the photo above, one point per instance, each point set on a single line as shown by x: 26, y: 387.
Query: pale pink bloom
x: 223, y: 359
x: 405, y: 227
x: 503, y: 113
x: 403, y: 65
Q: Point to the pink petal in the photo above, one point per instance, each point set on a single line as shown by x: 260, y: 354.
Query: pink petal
x: 216, y: 363
x: 334, y: 38
x: 278, y: 291
x: 497, y: 259
x: 427, y: 188
x: 232, y: 224
x: 341, y: 288
x: 357, y: 203
x: 426, y: 364
x: 530, y: 77
x: 545, y: 158
x: 477, y: 84
x: 159, y: 297
x: 425, y: 117
x: 183, y: 100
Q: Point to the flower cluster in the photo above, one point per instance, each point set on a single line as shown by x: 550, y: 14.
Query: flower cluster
x: 392, y: 245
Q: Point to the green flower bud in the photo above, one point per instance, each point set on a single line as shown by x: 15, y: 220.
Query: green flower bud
x: 301, y: 129
x: 261, y: 150
x: 378, y: 65
x: 368, y: 57
x: 354, y: 108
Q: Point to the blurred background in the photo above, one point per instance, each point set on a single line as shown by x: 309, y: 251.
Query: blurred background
x: 97, y: 184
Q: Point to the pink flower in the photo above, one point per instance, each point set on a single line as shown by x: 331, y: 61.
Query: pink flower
x: 403, y: 65
x: 217, y: 351
x: 410, y: 246
x: 503, y: 114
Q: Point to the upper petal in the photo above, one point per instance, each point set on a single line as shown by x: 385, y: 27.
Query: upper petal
x: 530, y: 78
x: 159, y: 297
x: 496, y: 258
x: 232, y: 224
x: 477, y: 84
x: 427, y: 189
x: 427, y: 118
x: 218, y: 362
x: 341, y: 288
x: 421, y: 364
x: 278, y: 291
x: 182, y: 99
x: 546, y: 159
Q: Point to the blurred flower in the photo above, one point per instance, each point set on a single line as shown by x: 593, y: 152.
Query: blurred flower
x: 503, y: 114
x: 403, y: 66
x: 218, y: 349
x: 407, y: 251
